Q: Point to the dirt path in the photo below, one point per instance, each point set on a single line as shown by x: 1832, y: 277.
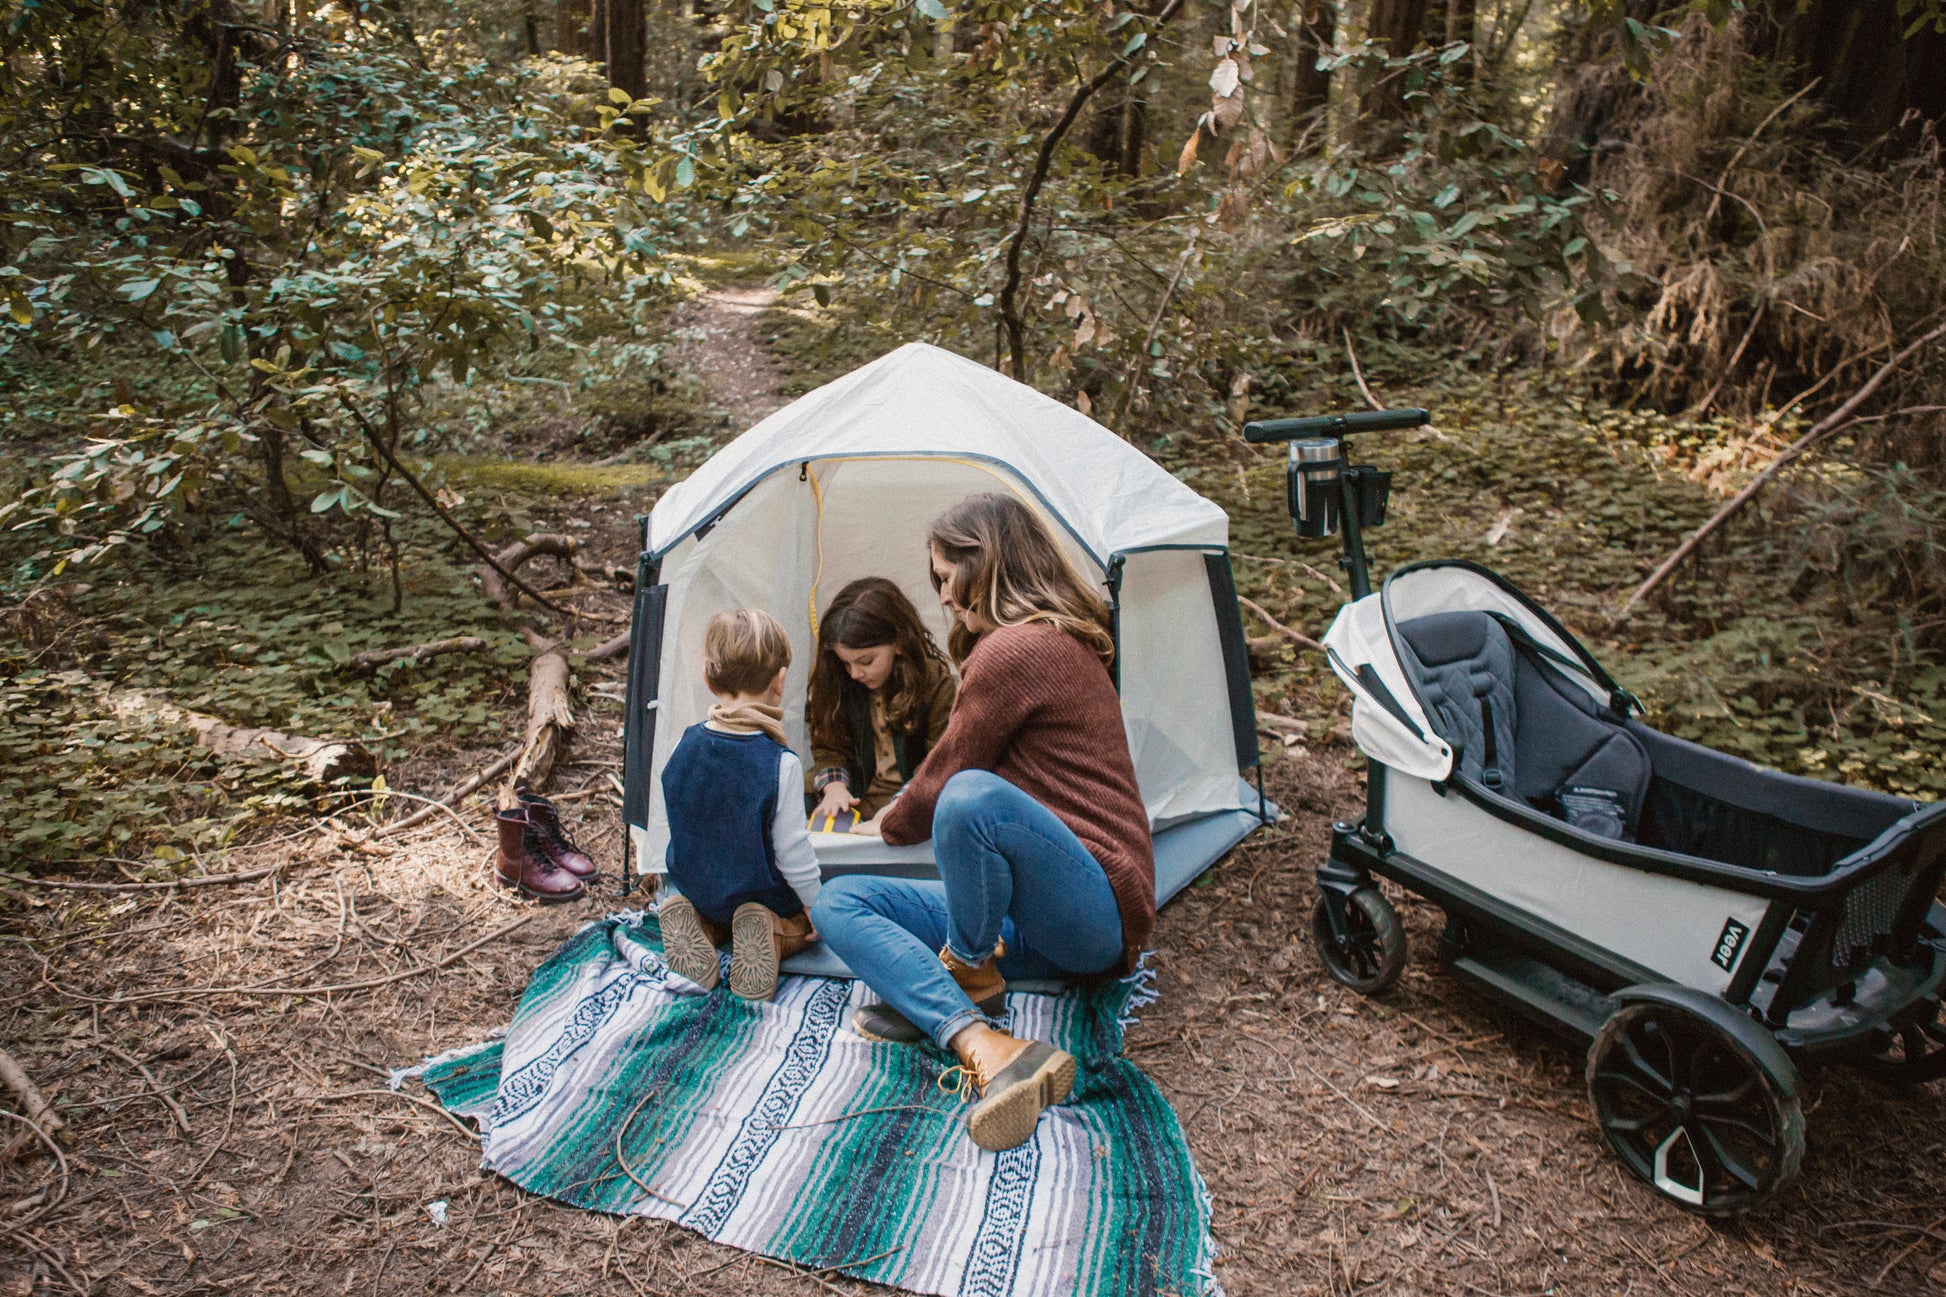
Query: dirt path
x: 717, y: 333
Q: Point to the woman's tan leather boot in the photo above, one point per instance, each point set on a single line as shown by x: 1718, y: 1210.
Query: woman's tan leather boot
x: 1015, y: 1079
x: 981, y: 982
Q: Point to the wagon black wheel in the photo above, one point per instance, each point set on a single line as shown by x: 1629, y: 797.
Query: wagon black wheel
x: 1372, y: 951
x: 1690, y: 1112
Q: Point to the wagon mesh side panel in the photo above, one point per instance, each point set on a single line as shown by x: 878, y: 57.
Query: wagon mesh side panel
x: 1870, y: 912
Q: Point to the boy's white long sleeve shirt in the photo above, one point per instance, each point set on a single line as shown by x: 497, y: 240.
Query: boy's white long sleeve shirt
x: 790, y: 838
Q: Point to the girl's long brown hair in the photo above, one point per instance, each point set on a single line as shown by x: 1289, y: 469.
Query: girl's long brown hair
x: 1010, y: 570
x: 867, y: 613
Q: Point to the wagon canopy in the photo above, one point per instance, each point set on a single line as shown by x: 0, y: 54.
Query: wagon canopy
x: 1387, y: 722
x: 845, y: 481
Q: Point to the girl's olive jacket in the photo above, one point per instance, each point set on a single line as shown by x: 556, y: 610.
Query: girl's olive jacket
x: 857, y: 758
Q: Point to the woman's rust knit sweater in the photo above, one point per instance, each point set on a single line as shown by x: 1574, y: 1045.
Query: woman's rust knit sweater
x: 1037, y: 708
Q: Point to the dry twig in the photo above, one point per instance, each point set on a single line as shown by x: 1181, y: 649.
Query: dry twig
x: 1301, y: 640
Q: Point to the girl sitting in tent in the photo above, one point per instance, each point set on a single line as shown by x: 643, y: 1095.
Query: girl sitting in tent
x: 1045, y: 862
x: 879, y: 696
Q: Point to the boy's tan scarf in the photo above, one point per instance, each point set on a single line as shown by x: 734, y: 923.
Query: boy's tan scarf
x: 746, y: 718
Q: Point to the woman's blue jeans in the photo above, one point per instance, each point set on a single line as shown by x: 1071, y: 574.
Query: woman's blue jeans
x: 1008, y: 870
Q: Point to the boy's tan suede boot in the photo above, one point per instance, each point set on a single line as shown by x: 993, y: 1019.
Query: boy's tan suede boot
x: 759, y: 941
x: 1015, y: 1079
x: 689, y: 940
x: 981, y: 982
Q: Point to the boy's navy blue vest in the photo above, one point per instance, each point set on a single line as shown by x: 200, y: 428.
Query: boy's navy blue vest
x: 721, y: 794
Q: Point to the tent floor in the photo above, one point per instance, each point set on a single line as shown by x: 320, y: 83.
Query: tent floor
x: 1182, y: 853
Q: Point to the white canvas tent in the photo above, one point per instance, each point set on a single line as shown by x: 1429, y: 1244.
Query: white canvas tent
x: 844, y: 482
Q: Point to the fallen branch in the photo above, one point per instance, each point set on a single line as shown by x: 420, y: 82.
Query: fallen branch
x: 432, y: 502
x: 200, y: 880
x: 1281, y: 725
x: 465, y: 789
x: 323, y: 760
x: 622, y: 578
x: 472, y: 1137
x: 1358, y: 373
x: 38, y: 1110
x: 550, y: 721
x: 1823, y: 428
x: 168, y: 1100
x: 367, y: 663
x: 495, y: 575
x: 1301, y: 640
x: 608, y: 648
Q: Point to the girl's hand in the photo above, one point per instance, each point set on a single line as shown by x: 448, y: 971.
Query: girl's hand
x: 837, y: 799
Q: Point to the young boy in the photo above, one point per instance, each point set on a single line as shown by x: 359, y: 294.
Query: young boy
x: 739, y: 856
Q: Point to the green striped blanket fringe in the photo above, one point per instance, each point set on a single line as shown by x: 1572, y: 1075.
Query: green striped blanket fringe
x: 776, y: 1129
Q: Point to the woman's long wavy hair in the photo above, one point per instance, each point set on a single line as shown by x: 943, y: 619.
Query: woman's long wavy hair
x: 1010, y: 570
x: 867, y: 613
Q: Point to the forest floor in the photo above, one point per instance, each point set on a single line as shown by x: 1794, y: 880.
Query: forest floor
x: 220, y: 1052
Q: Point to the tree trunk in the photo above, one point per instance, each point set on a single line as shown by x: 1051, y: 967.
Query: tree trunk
x: 571, y: 26
x: 1315, y: 30
x: 625, y: 46
x: 1462, y: 17
x: 1868, y: 71
x: 1400, y: 26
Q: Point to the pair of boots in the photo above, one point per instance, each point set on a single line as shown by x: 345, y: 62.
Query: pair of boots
x: 537, y: 858
x: 1012, y: 1080
x: 759, y: 941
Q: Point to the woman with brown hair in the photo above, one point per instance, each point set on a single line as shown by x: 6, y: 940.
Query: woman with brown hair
x: 880, y: 694
x: 1045, y: 862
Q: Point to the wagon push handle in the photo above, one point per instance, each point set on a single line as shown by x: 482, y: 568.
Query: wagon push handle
x: 1327, y: 495
x: 1336, y: 425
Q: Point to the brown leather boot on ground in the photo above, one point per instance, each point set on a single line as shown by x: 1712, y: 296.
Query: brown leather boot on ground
x: 525, y: 865
x: 554, y: 840
x: 981, y: 982
x: 759, y: 941
x: 1015, y: 1079
x: 689, y: 940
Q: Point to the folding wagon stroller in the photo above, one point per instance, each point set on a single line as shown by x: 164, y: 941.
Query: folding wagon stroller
x: 1700, y: 920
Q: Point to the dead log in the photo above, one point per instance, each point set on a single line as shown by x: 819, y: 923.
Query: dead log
x: 367, y: 663
x: 493, y: 576
x: 35, y: 1108
x: 1263, y: 652
x: 322, y: 760
x: 550, y: 721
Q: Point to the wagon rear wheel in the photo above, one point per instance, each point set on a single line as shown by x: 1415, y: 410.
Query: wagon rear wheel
x: 1690, y: 1112
x: 1371, y: 951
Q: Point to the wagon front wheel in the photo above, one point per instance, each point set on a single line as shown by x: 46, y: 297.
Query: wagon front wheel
x: 1690, y: 1111
x: 1367, y: 949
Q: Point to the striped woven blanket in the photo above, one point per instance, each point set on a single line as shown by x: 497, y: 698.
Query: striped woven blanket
x: 774, y: 1128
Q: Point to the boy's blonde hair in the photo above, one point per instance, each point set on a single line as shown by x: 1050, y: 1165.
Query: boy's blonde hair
x: 743, y: 650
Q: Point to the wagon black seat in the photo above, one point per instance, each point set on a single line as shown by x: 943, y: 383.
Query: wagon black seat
x: 1521, y: 728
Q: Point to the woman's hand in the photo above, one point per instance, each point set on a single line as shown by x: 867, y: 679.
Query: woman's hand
x: 870, y: 828
x: 837, y: 799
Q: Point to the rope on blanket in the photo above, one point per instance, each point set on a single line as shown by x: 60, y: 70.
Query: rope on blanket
x: 862, y: 1112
